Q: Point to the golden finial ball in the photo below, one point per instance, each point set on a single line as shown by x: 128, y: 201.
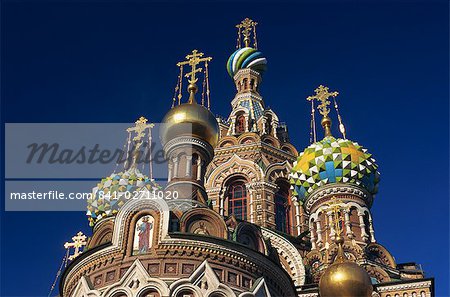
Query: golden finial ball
x: 190, y: 120
x: 345, y: 279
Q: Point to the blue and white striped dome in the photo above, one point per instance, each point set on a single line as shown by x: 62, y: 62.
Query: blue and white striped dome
x: 246, y: 57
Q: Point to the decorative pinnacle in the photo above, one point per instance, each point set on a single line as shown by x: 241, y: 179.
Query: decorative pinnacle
x: 246, y: 27
x: 193, y: 60
x: 322, y: 95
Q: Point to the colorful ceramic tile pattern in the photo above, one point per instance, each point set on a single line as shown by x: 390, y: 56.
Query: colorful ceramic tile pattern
x: 333, y: 160
x: 113, y: 191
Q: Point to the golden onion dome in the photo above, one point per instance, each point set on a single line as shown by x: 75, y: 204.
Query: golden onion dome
x: 345, y: 279
x: 190, y: 119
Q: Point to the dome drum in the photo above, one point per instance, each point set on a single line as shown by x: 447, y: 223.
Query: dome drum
x: 344, y: 192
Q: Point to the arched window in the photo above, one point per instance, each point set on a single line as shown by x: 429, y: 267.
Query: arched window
x: 282, y: 218
x: 237, y: 200
x: 367, y: 223
x: 240, y: 124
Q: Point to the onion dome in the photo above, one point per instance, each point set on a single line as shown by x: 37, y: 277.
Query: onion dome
x: 246, y: 57
x: 344, y: 278
x: 113, y: 191
x: 333, y: 160
x: 190, y: 119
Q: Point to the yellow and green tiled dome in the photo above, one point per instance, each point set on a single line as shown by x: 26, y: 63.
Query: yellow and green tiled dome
x: 113, y: 191
x: 333, y: 160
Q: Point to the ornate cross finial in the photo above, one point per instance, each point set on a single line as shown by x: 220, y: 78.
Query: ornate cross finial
x: 322, y: 96
x: 140, y: 127
x: 193, y: 60
x: 334, y: 206
x: 79, y: 241
x: 246, y: 27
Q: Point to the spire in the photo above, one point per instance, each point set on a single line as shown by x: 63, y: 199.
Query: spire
x: 322, y: 95
x: 193, y: 59
x: 247, y: 28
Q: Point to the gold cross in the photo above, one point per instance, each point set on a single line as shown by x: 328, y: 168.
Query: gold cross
x: 322, y: 96
x: 334, y: 207
x: 139, y: 128
x: 246, y: 25
x: 193, y: 60
x: 79, y: 240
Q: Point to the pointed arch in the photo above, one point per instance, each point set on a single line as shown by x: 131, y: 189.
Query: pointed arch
x: 235, y: 165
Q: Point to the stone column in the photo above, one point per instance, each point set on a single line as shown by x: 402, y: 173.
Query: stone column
x: 348, y: 227
x: 275, y: 126
x: 331, y: 225
x: 250, y: 202
x: 175, y: 167
x: 319, y: 233
x: 221, y: 202
x: 170, y: 167
x: 364, y: 235
x: 372, y: 232
x: 297, y: 217
x: 232, y: 128
x: 188, y: 165
x: 199, y: 168
x: 311, y: 232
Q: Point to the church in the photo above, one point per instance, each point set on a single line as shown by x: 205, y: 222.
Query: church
x: 250, y: 215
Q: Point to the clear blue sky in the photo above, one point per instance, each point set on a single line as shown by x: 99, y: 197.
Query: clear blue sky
x: 75, y: 61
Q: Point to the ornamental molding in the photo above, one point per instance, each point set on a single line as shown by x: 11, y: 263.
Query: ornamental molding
x: 405, y: 286
x: 203, y: 281
x: 314, y: 294
x: 136, y: 280
x: 235, y: 165
x: 337, y: 189
x: 278, y: 170
x: 193, y: 141
x: 290, y: 253
x: 244, y: 71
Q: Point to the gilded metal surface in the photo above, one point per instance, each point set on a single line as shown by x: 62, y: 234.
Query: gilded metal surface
x: 193, y: 60
x: 190, y: 120
x: 246, y: 27
x: 346, y: 279
x: 322, y: 96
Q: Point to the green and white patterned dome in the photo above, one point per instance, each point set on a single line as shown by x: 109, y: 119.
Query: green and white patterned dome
x: 333, y: 160
x: 113, y: 191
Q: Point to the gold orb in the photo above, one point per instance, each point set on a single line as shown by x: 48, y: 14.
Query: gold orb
x: 345, y: 279
x: 190, y: 119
